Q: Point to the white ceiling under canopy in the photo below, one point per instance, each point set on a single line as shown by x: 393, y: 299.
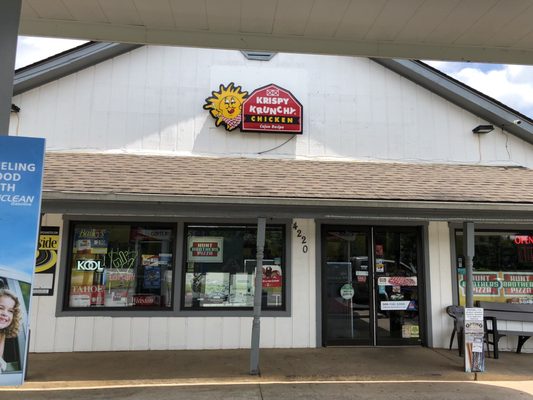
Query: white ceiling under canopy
x: 463, y: 30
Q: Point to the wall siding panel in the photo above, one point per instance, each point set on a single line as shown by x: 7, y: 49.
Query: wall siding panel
x: 103, y: 333
x: 121, y: 334
x: 140, y: 333
x: 43, y: 331
x: 440, y: 285
x: 303, y: 299
x: 213, y: 333
x: 151, y: 98
x: 158, y: 334
x: 231, y: 333
x: 177, y: 333
x: 64, y: 334
x: 83, y: 334
x: 195, y: 333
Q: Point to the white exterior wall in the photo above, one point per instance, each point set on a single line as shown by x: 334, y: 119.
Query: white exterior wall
x: 150, y: 100
x: 51, y: 334
x: 440, y: 275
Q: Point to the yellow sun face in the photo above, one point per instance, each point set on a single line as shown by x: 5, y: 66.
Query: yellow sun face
x: 230, y: 106
x: 226, y: 105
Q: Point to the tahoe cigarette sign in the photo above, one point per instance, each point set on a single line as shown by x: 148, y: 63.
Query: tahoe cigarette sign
x: 268, y: 109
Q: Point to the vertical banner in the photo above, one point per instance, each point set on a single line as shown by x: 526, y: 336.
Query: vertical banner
x: 474, y: 332
x: 21, y: 173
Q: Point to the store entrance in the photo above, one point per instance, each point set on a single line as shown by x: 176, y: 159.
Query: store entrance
x: 371, y: 286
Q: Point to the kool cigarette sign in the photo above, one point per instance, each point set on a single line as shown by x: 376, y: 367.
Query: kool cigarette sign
x: 270, y: 108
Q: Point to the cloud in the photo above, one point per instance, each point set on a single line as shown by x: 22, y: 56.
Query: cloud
x: 509, y: 84
x: 33, y: 49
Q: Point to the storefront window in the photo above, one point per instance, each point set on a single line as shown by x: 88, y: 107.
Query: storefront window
x: 120, y: 265
x: 220, y: 266
x: 503, y: 266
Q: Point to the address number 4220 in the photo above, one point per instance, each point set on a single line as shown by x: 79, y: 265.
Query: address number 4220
x: 301, y: 236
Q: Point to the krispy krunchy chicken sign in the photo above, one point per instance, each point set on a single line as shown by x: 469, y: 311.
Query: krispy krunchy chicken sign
x: 267, y: 109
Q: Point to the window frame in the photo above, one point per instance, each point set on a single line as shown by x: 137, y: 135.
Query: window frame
x: 174, y: 311
x: 181, y: 299
x: 455, y: 252
x: 67, y: 251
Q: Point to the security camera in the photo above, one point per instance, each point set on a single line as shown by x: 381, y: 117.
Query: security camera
x: 517, y: 122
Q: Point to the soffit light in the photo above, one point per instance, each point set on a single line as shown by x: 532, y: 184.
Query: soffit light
x: 483, y: 129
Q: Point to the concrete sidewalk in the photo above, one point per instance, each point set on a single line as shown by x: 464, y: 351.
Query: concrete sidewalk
x: 157, y: 374
x: 228, y: 366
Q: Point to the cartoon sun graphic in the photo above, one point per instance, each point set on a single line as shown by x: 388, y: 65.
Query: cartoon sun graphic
x: 225, y: 105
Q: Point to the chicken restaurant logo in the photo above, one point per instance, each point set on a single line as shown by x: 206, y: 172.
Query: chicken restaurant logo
x: 267, y: 109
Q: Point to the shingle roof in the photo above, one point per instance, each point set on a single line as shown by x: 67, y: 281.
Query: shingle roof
x: 275, y: 178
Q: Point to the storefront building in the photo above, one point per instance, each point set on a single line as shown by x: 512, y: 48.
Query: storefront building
x: 365, y: 174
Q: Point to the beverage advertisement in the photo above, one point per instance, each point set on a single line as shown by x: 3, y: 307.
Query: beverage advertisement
x: 21, y: 174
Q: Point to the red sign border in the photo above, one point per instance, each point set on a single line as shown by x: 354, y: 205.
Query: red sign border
x: 274, y: 131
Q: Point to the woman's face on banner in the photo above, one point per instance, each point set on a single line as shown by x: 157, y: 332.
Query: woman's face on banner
x: 7, y: 305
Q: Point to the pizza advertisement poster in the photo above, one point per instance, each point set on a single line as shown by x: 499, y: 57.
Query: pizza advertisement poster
x: 206, y: 249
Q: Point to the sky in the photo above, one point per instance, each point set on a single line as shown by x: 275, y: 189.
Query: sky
x: 509, y: 84
x: 33, y: 49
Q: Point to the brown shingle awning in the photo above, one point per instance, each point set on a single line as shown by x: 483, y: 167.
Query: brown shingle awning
x: 99, y: 173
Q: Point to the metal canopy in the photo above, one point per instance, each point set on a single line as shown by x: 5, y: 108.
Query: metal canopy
x: 473, y: 30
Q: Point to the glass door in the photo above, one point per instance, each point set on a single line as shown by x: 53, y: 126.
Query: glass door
x: 347, y: 294
x: 396, y: 268
x: 371, y: 291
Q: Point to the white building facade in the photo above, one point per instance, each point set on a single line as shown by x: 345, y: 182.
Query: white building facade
x: 364, y: 207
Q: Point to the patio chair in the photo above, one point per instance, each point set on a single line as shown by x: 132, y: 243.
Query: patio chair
x: 457, y: 314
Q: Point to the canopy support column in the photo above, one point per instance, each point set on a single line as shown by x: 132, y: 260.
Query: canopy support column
x: 9, y: 26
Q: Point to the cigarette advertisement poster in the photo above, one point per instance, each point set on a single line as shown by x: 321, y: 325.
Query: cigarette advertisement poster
x: 144, y: 234
x: 119, y: 287
x: 46, y: 261
x: 21, y: 174
x: 151, y: 271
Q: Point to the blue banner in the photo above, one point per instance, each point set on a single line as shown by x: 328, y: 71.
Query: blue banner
x: 21, y: 174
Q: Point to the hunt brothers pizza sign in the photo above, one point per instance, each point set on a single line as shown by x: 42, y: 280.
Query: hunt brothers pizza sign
x: 268, y: 109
